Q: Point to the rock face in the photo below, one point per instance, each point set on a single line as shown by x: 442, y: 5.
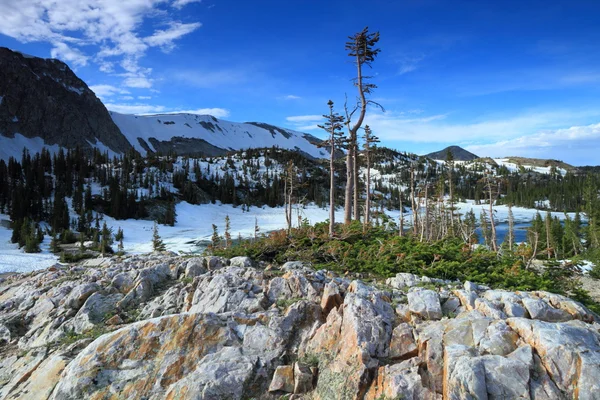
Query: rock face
x: 44, y: 98
x: 169, y: 327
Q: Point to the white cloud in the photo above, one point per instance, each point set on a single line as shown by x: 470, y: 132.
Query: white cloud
x: 111, y: 28
x: 140, y: 82
x: 215, y: 112
x: 400, y: 127
x: 127, y: 98
x: 67, y: 54
x: 104, y: 91
x: 304, y: 118
x: 141, y: 108
x: 290, y: 97
x: 182, y: 3
x: 572, y: 144
x: 144, y: 97
x: 409, y: 63
x: 165, y: 38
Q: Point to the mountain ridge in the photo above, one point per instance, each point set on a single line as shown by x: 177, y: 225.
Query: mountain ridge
x: 43, y: 102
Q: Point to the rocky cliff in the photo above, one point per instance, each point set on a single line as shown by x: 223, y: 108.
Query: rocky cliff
x: 44, y: 98
x: 170, y: 327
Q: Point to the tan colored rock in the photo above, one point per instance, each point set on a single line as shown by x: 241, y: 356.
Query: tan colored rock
x: 41, y: 383
x: 349, y: 343
x: 331, y: 298
x: 539, y: 309
x: 489, y: 309
x: 399, y: 381
x: 431, y: 352
x: 424, y: 303
x: 303, y: 379
x: 114, y: 320
x: 574, y: 308
x: 146, y: 358
x: 402, y: 345
x: 283, y: 379
x: 467, y: 299
x: 569, y: 352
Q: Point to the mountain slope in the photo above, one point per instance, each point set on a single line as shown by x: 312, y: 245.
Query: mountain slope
x: 459, y: 154
x: 43, y: 103
x: 207, y: 135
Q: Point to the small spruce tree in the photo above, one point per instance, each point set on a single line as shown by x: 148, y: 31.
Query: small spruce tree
x: 227, y: 231
x: 157, y: 243
x: 215, y: 239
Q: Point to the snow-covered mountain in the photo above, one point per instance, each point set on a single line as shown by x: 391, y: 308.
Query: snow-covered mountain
x: 44, y: 104
x: 207, y: 135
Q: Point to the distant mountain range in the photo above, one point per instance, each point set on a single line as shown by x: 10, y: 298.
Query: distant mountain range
x: 44, y: 104
x: 458, y: 153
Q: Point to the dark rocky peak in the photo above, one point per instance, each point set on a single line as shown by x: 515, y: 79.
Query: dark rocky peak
x: 44, y: 98
x: 458, y: 153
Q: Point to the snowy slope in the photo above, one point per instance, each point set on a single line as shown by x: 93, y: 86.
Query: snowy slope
x: 219, y: 133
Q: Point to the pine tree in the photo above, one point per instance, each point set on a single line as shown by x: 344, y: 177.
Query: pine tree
x: 333, y: 126
x: 107, y: 240
x: 157, y: 242
x: 215, y: 239
x: 370, y: 142
x: 119, y: 236
x: 361, y: 47
x: 227, y: 232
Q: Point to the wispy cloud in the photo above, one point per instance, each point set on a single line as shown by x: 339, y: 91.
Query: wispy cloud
x: 106, y: 91
x: 215, y: 112
x: 578, y: 144
x: 290, y: 97
x: 81, y: 31
x: 401, y: 127
x: 182, y: 3
x: 409, y: 63
x: 166, y: 38
x: 142, y: 108
x: 65, y: 53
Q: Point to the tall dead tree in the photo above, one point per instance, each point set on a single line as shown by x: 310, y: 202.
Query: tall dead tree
x: 290, y: 177
x: 370, y: 142
x: 492, y: 186
x: 333, y: 126
x: 361, y: 46
x: 450, y: 167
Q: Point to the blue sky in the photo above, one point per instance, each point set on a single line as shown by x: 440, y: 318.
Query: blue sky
x: 499, y: 78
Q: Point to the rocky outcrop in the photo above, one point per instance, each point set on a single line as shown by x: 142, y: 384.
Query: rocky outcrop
x: 169, y: 327
x: 44, y: 98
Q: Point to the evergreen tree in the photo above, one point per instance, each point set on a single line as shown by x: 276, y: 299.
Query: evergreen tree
x: 227, y: 232
x: 215, y: 238
x: 157, y: 242
x: 333, y: 126
x: 370, y: 141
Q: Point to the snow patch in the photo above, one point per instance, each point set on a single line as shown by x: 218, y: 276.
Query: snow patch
x: 13, y: 147
x: 13, y: 259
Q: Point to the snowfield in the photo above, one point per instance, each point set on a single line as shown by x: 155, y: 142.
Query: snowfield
x: 219, y: 133
x: 13, y: 259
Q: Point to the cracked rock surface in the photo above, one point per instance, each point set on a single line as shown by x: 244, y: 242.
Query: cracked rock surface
x: 162, y: 326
